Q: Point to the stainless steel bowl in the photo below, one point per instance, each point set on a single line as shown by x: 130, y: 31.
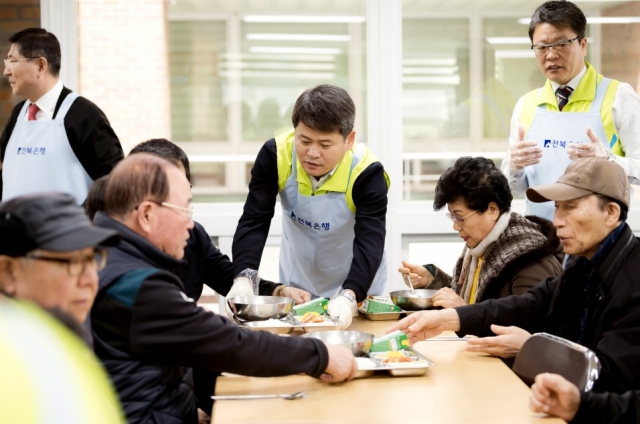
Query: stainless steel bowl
x: 358, y: 342
x: 413, y: 300
x: 260, y: 308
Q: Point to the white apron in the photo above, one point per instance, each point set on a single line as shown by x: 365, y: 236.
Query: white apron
x: 555, y: 132
x: 317, y: 238
x: 39, y: 158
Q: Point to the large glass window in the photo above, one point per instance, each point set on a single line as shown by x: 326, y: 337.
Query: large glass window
x: 197, y: 52
x: 466, y: 65
x: 236, y: 69
x: 435, y: 77
x: 280, y: 61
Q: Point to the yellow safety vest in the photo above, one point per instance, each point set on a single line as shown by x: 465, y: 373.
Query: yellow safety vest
x: 47, y: 374
x: 341, y: 181
x: 580, y: 101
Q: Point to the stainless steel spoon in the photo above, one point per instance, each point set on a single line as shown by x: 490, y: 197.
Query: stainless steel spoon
x: 407, y: 279
x: 290, y: 396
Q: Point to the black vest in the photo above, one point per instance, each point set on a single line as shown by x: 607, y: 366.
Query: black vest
x: 149, y: 392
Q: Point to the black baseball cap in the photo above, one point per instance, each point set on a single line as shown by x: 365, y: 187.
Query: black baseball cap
x: 50, y: 221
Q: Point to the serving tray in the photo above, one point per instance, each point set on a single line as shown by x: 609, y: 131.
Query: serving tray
x: 289, y: 324
x: 374, y: 362
x: 382, y: 316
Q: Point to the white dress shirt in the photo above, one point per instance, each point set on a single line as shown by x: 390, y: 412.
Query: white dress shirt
x: 46, y: 103
x: 626, y: 120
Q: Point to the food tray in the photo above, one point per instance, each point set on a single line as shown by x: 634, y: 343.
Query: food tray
x: 386, y: 316
x: 329, y: 324
x: 419, y: 364
x: 290, y: 324
x: 382, y: 316
x: 268, y: 326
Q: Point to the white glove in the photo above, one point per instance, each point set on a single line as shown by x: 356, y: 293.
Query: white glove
x: 341, y: 308
x: 594, y: 148
x: 523, y: 153
x: 242, y: 287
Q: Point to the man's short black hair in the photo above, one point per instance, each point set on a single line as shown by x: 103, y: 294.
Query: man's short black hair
x: 603, y: 201
x: 475, y: 181
x: 163, y: 147
x: 325, y: 108
x: 38, y: 42
x: 561, y: 14
x: 94, y: 202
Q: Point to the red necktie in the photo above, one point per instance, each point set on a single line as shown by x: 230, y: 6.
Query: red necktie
x: 562, y: 96
x: 33, y: 110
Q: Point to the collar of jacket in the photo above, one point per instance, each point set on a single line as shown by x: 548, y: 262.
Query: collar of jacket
x: 612, y: 261
x: 606, y: 245
x: 563, y: 306
x: 138, y: 246
x: 610, y: 258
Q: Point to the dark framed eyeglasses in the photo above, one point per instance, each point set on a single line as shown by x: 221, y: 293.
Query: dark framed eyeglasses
x: 77, y: 264
x: 559, y: 46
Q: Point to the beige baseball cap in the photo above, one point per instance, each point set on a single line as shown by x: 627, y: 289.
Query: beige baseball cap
x: 585, y: 176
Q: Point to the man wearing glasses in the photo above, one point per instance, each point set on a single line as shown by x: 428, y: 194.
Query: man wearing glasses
x: 604, y: 114
x: 55, y: 140
x: 148, y: 333
x: 594, y: 302
x: 50, y: 253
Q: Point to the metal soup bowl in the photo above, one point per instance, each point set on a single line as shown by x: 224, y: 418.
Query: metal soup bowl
x: 358, y: 342
x: 413, y: 300
x: 260, y: 308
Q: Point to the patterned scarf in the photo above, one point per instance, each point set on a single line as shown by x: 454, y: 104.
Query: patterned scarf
x: 470, y: 263
x: 512, y: 236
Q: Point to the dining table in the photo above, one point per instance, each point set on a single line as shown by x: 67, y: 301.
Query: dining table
x: 462, y: 387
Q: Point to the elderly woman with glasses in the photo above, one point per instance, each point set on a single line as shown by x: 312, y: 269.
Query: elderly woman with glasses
x: 505, y: 253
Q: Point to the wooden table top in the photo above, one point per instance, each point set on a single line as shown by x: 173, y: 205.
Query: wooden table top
x: 463, y: 387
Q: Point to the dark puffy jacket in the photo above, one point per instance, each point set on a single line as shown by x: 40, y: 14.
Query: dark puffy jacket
x: 150, y: 392
x: 610, y: 307
x: 608, y: 408
x: 149, y: 335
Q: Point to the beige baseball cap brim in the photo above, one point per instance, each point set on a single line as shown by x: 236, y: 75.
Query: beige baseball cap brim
x: 555, y: 192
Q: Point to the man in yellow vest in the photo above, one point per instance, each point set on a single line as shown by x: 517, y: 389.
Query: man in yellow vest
x: 333, y: 193
x: 47, y: 374
x: 603, y: 118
